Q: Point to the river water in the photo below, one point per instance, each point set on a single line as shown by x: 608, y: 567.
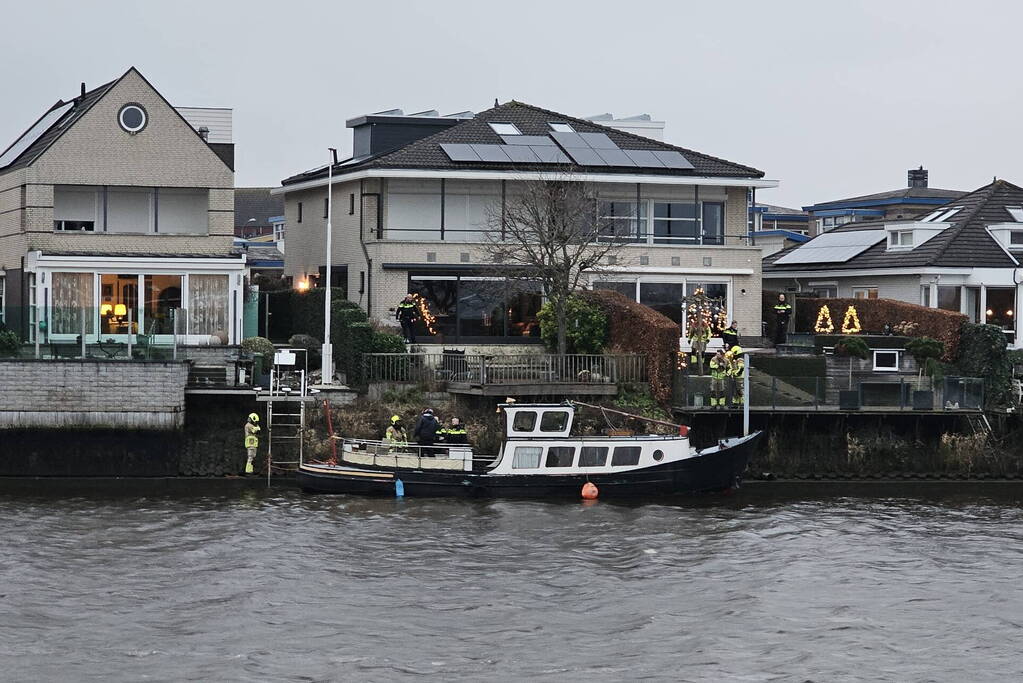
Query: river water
x: 771, y: 584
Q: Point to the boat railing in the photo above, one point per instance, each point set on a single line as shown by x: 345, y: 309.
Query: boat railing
x: 397, y: 454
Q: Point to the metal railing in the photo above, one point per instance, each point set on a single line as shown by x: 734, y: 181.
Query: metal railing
x: 505, y: 369
x: 835, y: 393
x: 410, y: 456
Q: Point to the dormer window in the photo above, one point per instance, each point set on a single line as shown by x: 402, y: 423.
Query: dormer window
x: 1017, y: 214
x: 900, y: 238
x: 561, y: 127
x: 1016, y: 239
x: 505, y: 129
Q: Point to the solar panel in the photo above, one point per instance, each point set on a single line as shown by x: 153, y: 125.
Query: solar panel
x: 598, y: 141
x: 520, y: 154
x: 459, y: 152
x: 527, y: 140
x: 550, y: 155
x: 585, y: 157
x: 570, y: 140
x: 615, y: 157
x: 833, y: 247
x: 643, y: 158
x: 33, y: 134
x: 491, y: 153
x: 672, y: 159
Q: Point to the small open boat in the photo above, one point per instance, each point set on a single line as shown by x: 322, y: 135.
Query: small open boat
x: 538, y: 459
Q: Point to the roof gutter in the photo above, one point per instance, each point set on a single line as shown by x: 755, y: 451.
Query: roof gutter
x: 531, y: 175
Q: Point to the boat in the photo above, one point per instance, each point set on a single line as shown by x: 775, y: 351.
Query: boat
x: 539, y: 458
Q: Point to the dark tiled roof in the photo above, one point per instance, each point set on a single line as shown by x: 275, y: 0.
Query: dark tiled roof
x: 427, y: 153
x: 965, y: 243
x: 256, y: 202
x: 81, y: 106
x: 235, y: 253
x: 772, y: 209
x: 263, y: 254
x: 906, y: 193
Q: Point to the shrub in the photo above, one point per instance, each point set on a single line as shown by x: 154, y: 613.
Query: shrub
x: 384, y: 342
x: 874, y: 314
x: 10, y: 344
x: 587, y: 326
x: 313, y: 348
x: 982, y: 353
x: 853, y: 347
x: 635, y: 328
x: 926, y: 352
x: 259, y: 346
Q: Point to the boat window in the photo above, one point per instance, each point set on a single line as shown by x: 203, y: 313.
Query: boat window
x: 525, y: 421
x: 593, y: 456
x: 560, y: 456
x: 658, y: 455
x: 554, y: 421
x: 526, y: 457
x: 625, y: 455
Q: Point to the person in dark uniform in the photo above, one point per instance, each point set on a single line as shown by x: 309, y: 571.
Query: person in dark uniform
x: 454, y: 434
x: 407, y: 314
x: 782, y: 313
x: 426, y: 431
x: 730, y: 336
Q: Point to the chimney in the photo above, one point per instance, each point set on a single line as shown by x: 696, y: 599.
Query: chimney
x: 204, y: 133
x: 388, y: 130
x: 918, y: 177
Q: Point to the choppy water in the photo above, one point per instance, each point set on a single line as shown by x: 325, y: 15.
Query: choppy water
x: 769, y: 585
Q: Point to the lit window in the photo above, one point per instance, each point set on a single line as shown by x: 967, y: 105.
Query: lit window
x: 1016, y: 212
x: 561, y: 128
x: 505, y: 129
x: 864, y: 292
x: 886, y: 361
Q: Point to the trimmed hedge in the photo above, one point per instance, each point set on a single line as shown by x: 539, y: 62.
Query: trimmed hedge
x: 307, y: 310
x: 945, y: 326
x: 586, y: 326
x: 635, y: 328
x: 984, y: 354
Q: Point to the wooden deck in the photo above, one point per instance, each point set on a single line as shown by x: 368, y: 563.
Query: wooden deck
x: 533, y: 389
x: 829, y: 409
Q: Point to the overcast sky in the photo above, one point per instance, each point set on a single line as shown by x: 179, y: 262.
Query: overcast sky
x: 832, y: 99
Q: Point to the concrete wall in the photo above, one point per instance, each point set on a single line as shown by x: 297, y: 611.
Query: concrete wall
x: 90, y: 393
x: 899, y: 287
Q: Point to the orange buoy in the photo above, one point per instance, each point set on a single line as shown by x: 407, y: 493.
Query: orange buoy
x: 589, y: 491
x: 683, y: 430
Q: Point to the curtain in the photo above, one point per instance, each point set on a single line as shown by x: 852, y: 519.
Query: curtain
x: 72, y: 302
x: 207, y: 305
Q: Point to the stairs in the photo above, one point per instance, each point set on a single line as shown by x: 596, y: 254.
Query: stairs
x: 770, y: 390
x: 207, y: 376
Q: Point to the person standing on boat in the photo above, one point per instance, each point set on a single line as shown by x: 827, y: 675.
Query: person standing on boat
x: 407, y: 315
x: 718, y: 373
x: 454, y: 434
x: 251, y: 441
x: 426, y: 431
x: 736, y: 372
x: 730, y: 335
x: 395, y: 435
x: 782, y: 313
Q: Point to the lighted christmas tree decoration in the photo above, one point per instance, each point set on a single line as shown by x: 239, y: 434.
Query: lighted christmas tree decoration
x: 424, y: 313
x: 824, y: 325
x: 851, y: 321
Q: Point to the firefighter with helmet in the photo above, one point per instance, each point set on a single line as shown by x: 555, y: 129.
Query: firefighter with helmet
x: 251, y: 441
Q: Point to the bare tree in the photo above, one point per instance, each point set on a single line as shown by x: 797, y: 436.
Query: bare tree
x: 550, y: 231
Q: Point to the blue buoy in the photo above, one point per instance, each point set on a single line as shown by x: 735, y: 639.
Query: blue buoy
x: 399, y: 488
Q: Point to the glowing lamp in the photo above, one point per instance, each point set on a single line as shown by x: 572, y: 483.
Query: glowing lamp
x: 303, y: 285
x: 1009, y: 313
x: 105, y: 309
x: 989, y: 312
x: 120, y: 309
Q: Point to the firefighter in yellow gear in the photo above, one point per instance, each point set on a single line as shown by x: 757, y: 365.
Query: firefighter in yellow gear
x: 718, y: 374
x: 699, y: 335
x: 395, y: 436
x: 251, y: 441
x: 736, y: 371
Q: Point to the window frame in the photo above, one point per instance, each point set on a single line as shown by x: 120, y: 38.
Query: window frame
x: 566, y: 127
x: 512, y: 128
x: 523, y: 451
x: 889, y: 367
x: 626, y: 451
x: 515, y: 421
x: 583, y: 451
x: 547, y: 456
x: 564, y: 415
x: 863, y: 292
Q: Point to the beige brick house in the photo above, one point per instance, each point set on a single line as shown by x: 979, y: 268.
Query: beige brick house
x: 410, y: 208
x: 114, y: 207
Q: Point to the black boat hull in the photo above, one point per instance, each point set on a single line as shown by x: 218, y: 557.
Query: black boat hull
x: 717, y: 470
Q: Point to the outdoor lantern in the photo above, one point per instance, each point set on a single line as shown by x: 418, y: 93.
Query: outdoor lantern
x: 120, y: 309
x: 989, y: 312
x: 303, y: 285
x: 105, y: 309
x: 1009, y: 313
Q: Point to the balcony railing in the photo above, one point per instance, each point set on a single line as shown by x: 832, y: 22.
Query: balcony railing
x: 505, y: 369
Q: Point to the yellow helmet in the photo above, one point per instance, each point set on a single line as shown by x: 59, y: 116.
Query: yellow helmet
x: 253, y: 417
x: 736, y: 350
x: 395, y: 419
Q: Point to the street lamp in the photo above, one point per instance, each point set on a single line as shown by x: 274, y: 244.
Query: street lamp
x: 327, y: 352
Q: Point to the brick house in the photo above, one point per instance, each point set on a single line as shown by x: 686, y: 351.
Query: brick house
x: 410, y: 209
x: 113, y: 205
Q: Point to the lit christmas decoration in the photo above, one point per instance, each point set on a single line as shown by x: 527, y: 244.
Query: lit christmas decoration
x: 851, y: 321
x: 424, y: 313
x: 680, y: 360
x: 824, y: 325
x: 703, y: 310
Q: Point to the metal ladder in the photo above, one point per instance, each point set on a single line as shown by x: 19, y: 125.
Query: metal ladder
x: 979, y: 424
x: 285, y: 424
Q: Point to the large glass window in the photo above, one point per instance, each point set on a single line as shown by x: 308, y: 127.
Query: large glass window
x: 163, y: 299
x: 554, y: 421
x: 559, y: 456
x: 625, y: 455
x: 663, y: 297
x: 465, y: 307
x: 73, y: 305
x: 593, y: 456
x: 1001, y: 307
x: 183, y: 211
x: 525, y: 421
x: 129, y: 209
x: 675, y: 223
x: 713, y: 223
x: 77, y: 208
x: 618, y: 220
x: 119, y: 299
x: 948, y: 298
x: 470, y: 209
x: 441, y: 299
x: 413, y: 209
x: 481, y: 308
x: 523, y: 305
x: 208, y: 305
x: 626, y: 288
x: 526, y: 457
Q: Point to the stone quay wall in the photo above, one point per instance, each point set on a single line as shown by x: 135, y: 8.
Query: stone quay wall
x: 92, y: 393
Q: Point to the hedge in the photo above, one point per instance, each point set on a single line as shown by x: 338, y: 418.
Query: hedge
x: 635, y: 328
x: 984, y: 354
x: 307, y: 310
x: 945, y: 326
